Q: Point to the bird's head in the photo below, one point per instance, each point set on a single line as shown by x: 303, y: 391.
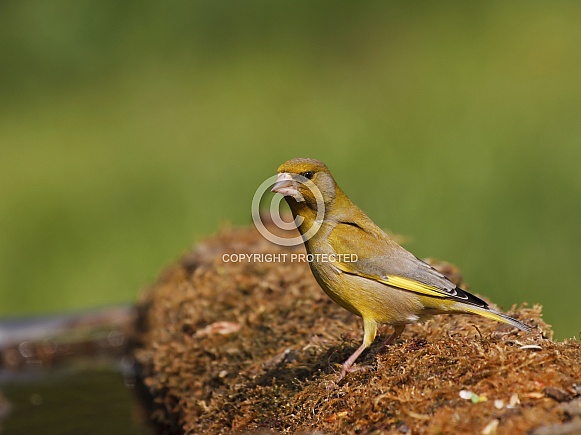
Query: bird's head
x: 305, y: 183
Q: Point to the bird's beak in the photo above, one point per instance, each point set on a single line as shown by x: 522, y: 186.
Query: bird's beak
x: 285, y: 185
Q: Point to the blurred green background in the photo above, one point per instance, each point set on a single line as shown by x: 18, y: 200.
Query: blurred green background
x: 131, y: 130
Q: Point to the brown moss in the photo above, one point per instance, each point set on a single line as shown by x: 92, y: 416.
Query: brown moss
x: 254, y: 346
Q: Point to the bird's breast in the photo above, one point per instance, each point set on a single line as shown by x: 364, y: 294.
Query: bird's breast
x: 368, y: 298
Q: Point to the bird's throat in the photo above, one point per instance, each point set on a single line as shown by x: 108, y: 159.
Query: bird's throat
x: 300, y: 208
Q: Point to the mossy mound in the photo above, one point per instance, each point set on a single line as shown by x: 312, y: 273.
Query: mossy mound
x: 255, y: 346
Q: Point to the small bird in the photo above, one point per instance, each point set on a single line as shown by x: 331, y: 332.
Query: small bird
x: 360, y: 267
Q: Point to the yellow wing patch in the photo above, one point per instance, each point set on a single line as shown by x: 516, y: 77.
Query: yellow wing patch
x: 400, y: 282
x: 413, y: 285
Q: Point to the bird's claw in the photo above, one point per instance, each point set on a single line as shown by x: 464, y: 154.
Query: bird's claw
x: 351, y: 369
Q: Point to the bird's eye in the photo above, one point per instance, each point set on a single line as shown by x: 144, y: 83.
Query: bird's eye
x: 308, y: 174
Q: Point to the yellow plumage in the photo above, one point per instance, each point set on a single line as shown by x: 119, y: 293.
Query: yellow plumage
x: 385, y: 283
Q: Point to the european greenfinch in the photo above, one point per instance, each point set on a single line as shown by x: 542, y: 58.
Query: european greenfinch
x: 362, y: 268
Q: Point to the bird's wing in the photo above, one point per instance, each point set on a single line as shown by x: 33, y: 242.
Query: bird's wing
x: 383, y: 260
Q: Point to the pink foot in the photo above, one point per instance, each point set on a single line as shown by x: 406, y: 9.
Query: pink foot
x: 352, y: 369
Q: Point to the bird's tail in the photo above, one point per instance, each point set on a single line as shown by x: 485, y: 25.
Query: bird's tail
x: 495, y: 315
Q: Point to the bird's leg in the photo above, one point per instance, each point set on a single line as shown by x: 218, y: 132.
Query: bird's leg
x: 369, y: 331
x: 397, y: 331
x: 348, y: 365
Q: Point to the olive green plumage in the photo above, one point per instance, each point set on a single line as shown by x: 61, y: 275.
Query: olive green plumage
x: 385, y: 283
